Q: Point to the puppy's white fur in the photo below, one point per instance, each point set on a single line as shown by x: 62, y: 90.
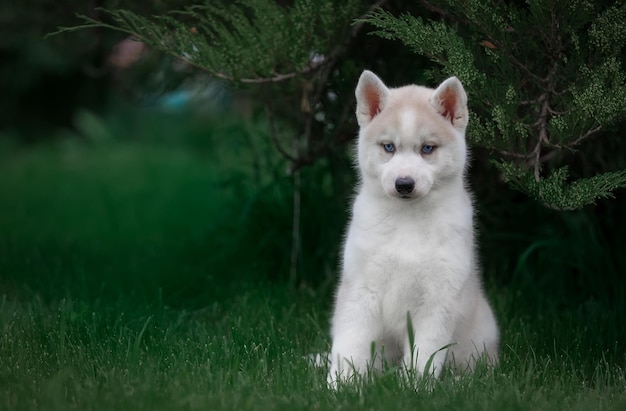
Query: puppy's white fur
x: 409, y: 253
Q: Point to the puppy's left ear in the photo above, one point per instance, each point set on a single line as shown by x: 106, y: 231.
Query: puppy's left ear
x: 450, y: 101
x: 372, y: 97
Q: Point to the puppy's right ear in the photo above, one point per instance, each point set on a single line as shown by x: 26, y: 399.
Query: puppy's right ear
x: 371, y: 97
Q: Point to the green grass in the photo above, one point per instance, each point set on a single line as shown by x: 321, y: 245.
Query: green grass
x: 150, y: 273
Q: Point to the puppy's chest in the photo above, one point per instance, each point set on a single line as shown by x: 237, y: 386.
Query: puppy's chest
x: 418, y: 254
x: 385, y: 252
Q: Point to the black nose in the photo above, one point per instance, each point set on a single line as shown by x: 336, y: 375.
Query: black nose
x: 405, y: 185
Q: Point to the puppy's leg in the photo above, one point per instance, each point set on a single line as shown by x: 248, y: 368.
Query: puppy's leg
x: 425, y: 351
x: 355, y: 328
x: 478, y: 339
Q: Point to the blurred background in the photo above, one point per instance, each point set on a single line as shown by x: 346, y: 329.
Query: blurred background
x: 124, y: 172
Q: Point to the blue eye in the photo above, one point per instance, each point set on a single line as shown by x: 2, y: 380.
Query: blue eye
x: 389, y: 147
x: 428, y: 149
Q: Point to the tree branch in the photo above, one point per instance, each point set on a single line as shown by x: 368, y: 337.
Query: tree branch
x: 274, y: 138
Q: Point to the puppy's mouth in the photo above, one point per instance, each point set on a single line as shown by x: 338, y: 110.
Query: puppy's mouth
x: 406, y: 196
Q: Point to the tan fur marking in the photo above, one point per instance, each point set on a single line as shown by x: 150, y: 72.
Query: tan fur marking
x: 403, y: 99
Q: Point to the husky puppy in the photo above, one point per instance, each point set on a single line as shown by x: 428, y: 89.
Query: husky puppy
x: 409, y: 288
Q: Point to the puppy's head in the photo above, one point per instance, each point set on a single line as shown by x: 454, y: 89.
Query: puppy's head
x: 411, y: 139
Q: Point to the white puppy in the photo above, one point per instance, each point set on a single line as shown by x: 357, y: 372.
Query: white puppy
x: 409, y: 255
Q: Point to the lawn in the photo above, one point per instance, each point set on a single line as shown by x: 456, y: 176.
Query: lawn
x: 150, y: 271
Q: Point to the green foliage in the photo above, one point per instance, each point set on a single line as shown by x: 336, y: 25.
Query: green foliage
x: 542, y: 78
x: 435, y: 40
x: 290, y: 52
x: 554, y: 191
x: 240, y: 41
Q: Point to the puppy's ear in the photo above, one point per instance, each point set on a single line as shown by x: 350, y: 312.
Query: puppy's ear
x: 371, y: 97
x: 450, y: 101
